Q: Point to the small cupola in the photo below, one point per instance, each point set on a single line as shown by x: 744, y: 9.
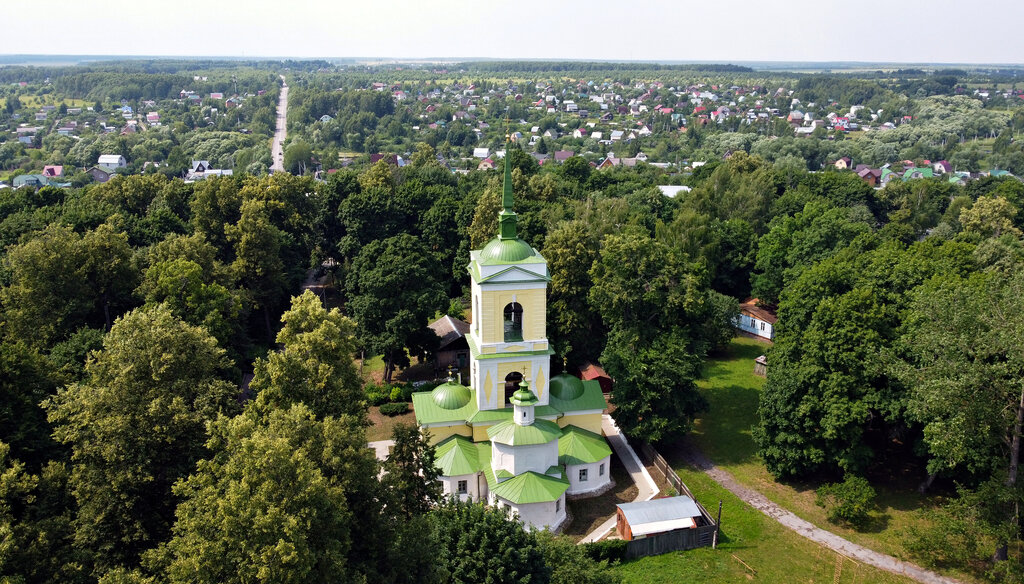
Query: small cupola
x: 523, y: 402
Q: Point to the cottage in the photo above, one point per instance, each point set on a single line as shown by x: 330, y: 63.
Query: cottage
x: 481, y: 152
x: 53, y: 171
x: 756, y: 320
x: 30, y: 180
x: 112, y: 161
x: 594, y: 372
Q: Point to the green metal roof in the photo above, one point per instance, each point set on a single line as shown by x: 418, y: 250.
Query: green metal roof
x: 523, y: 396
x: 531, y: 487
x: 451, y: 395
x: 539, y: 432
x: 429, y: 412
x: 484, y: 416
x: 457, y: 455
x: 579, y: 446
x: 505, y: 251
x: 590, y: 399
x: 566, y: 387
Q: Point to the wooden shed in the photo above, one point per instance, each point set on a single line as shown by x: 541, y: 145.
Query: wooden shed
x: 452, y: 348
x: 649, y: 518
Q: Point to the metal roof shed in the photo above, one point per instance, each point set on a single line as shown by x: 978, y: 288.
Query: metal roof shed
x: 644, y: 518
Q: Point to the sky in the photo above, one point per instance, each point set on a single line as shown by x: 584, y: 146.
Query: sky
x: 893, y: 31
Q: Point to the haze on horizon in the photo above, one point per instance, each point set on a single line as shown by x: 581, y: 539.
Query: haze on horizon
x: 904, y: 31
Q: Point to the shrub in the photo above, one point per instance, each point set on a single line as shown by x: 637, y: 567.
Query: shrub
x: 396, y: 394
x: 394, y: 409
x: 376, y: 398
x: 848, y: 501
x: 613, y: 550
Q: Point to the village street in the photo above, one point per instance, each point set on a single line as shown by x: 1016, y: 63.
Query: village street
x: 277, y: 150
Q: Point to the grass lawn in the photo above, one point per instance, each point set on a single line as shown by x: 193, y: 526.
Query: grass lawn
x: 775, y: 553
x: 381, y: 425
x: 587, y: 514
x: 724, y: 434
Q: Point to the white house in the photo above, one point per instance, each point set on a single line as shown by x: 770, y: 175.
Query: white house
x: 481, y: 152
x: 112, y: 161
x: 756, y: 320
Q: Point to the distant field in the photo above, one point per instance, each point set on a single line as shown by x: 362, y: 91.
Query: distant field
x: 34, y: 101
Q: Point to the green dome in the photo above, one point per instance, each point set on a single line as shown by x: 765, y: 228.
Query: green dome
x: 566, y: 387
x: 523, y: 396
x: 505, y: 251
x: 450, y: 395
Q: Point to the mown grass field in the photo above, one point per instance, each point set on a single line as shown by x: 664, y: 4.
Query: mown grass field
x: 752, y: 547
x: 724, y: 434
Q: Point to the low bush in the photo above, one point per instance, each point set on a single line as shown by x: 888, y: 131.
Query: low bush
x: 848, y: 501
x: 394, y: 409
x: 612, y: 550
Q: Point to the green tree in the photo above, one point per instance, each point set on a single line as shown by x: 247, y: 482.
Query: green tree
x: 410, y: 475
x: 570, y: 564
x: 483, y: 545
x: 61, y: 280
x: 134, y: 426
x: 393, y: 291
x: 273, y: 504
x: 965, y: 366
x: 314, y: 365
x: 571, y: 250
x: 258, y: 256
x: 989, y: 217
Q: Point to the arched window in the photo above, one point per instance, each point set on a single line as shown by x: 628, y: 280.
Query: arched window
x: 513, y: 322
x: 512, y: 381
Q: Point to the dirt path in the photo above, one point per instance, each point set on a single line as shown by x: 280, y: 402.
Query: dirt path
x: 808, y: 530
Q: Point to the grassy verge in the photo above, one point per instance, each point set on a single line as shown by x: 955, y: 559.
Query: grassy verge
x: 724, y: 434
x: 381, y: 425
x: 752, y: 547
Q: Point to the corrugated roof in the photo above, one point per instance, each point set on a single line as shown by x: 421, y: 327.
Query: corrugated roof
x: 749, y: 307
x: 531, y: 487
x: 457, y: 455
x: 429, y: 412
x: 449, y: 330
x: 579, y: 446
x: 659, y: 515
x: 511, y: 433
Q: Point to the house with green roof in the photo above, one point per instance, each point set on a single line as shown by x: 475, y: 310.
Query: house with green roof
x: 517, y: 437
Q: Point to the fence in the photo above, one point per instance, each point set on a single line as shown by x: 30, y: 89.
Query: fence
x: 704, y: 535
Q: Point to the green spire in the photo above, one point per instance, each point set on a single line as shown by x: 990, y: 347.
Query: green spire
x: 507, y: 217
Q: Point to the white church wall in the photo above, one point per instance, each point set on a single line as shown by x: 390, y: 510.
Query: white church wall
x: 596, y: 476
x: 519, y: 459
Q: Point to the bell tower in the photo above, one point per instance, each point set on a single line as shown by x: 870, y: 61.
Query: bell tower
x: 508, y: 338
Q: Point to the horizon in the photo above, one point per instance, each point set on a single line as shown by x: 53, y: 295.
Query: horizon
x: 876, y: 31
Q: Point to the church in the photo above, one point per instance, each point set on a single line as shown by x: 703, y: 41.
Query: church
x: 517, y: 437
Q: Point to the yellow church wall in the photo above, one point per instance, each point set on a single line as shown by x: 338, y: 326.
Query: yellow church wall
x: 591, y: 422
x: 492, y: 310
x: 438, y: 434
x: 480, y: 433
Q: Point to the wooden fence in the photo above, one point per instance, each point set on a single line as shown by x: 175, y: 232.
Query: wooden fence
x: 704, y: 535
x: 671, y: 541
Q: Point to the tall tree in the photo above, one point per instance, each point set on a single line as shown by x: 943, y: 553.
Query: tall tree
x: 314, y: 365
x: 394, y: 289
x: 964, y: 339
x: 134, y: 426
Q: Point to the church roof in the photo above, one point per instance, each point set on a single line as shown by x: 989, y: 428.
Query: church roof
x: 566, y: 387
x: 512, y: 434
x: 579, y: 446
x: 457, y: 455
x: 590, y: 399
x: 531, y: 487
x: 506, y: 251
x: 428, y: 411
x: 451, y: 395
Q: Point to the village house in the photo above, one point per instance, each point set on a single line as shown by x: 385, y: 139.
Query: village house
x: 755, y: 319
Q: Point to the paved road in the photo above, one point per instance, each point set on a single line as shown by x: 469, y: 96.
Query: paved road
x: 277, y: 150
x: 806, y: 529
x: 644, y: 482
